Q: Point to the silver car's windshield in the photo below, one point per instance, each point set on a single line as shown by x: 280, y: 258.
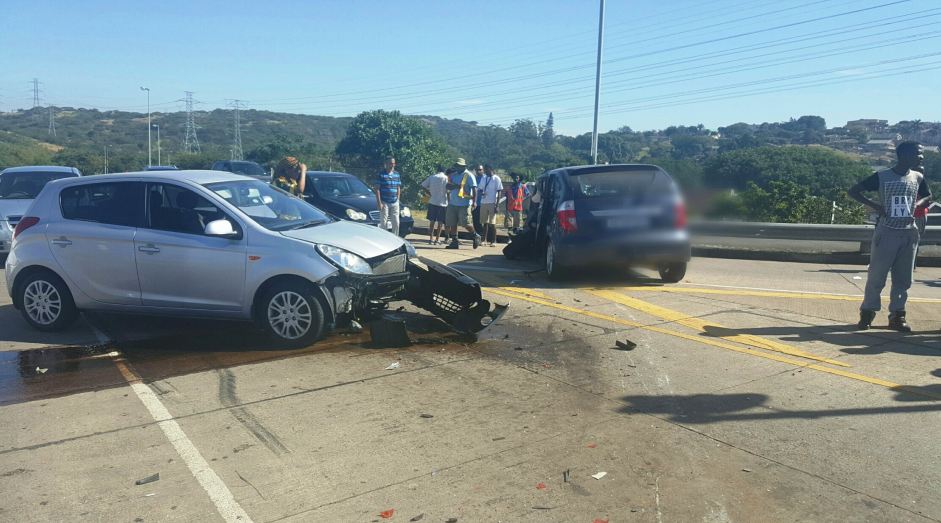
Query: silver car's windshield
x: 270, y: 207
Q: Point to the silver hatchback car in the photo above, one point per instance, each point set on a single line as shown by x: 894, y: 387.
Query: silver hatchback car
x: 216, y: 244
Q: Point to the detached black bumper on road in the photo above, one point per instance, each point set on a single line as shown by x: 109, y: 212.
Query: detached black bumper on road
x: 451, y: 295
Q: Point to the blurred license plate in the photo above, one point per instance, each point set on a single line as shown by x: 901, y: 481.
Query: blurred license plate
x: 629, y: 222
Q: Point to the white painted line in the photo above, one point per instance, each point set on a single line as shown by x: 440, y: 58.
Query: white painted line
x: 218, y: 492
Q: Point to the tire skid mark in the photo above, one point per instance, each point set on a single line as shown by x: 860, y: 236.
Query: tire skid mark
x: 228, y: 397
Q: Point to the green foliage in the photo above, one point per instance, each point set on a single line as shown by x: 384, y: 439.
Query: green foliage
x: 784, y: 201
x: 19, y: 150
x: 821, y: 172
x: 374, y: 135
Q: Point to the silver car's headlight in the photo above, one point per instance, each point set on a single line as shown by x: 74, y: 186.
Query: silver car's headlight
x: 410, y: 250
x: 405, y: 213
x: 345, y: 259
x: 355, y: 215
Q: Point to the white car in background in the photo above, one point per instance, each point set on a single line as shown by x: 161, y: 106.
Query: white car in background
x: 19, y: 186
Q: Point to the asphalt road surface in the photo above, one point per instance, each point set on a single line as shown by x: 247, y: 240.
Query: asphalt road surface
x: 740, y: 394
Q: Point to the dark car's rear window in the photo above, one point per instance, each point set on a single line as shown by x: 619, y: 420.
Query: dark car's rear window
x: 630, y: 182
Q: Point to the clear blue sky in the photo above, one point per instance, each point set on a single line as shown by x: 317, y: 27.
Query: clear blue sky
x: 492, y: 61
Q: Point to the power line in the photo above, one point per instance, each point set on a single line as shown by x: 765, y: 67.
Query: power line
x: 52, y: 121
x: 36, y: 101
x: 190, y: 141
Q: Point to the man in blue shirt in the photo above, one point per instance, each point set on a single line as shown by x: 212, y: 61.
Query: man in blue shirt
x: 461, y: 201
x: 388, y: 190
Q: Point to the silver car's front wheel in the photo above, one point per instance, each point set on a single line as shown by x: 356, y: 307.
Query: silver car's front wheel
x: 292, y: 314
x: 46, y: 302
x: 289, y: 315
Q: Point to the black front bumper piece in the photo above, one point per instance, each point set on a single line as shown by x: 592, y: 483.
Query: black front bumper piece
x: 451, y: 295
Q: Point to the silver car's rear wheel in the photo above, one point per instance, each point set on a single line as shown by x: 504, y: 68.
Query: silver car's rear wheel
x: 292, y: 314
x: 45, y: 301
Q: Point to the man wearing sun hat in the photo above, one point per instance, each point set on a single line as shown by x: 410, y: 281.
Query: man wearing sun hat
x: 461, y: 201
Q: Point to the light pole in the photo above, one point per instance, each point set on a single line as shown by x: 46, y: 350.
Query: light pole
x: 594, y: 133
x: 149, y: 161
x: 158, y: 143
x: 106, y: 158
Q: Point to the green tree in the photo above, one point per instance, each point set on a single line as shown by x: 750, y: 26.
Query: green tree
x: 374, y: 135
x: 548, y: 133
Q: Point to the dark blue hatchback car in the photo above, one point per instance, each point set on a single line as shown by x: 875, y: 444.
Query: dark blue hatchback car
x: 613, y: 216
x: 348, y: 198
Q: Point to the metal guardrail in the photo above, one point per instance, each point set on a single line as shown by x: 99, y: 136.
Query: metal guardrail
x: 798, y: 231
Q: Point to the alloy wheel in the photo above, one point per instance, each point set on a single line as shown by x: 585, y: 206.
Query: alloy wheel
x: 42, y: 302
x: 290, y: 315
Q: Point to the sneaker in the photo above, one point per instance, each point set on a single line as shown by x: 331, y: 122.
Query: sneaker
x: 493, y: 244
x: 865, y: 320
x: 453, y: 245
x: 897, y: 322
x: 476, y: 241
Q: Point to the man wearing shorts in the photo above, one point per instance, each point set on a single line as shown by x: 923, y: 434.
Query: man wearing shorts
x: 901, y: 189
x: 488, y: 189
x: 515, y: 195
x: 462, y: 185
x: 436, y: 186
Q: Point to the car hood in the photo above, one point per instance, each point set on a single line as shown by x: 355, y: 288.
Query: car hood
x: 13, y: 208
x: 364, y: 240
x: 360, y: 203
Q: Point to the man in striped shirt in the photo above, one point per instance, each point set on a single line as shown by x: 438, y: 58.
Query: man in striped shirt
x: 388, y: 190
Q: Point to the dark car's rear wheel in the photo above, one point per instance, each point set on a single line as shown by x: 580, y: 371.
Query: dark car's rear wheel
x: 672, y: 272
x: 46, y: 302
x: 292, y: 314
x: 554, y: 269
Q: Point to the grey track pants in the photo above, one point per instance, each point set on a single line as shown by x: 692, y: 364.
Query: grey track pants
x: 893, y: 250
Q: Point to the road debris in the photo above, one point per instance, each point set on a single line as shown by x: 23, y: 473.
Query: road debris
x: 393, y: 366
x: 592, y: 445
x: 517, y: 348
x: 542, y: 508
x: 746, y: 470
x: 41, y: 371
x: 356, y: 326
x: 599, y: 475
x: 389, y: 331
x: 501, y: 438
x: 426, y: 416
x: 451, y: 520
x: 540, y: 486
x: 597, y: 520
x: 625, y: 345
x: 387, y: 514
x: 417, y: 518
x: 148, y: 479
x: 566, y: 475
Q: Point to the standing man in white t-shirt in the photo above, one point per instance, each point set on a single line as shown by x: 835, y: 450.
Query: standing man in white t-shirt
x: 436, y: 185
x: 490, y: 187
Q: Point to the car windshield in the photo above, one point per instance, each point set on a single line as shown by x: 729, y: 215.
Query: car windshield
x: 270, y: 207
x: 26, y: 185
x: 618, y: 183
x: 247, y: 168
x: 340, y: 186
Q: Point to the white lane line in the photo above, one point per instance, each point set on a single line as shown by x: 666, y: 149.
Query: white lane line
x: 218, y: 492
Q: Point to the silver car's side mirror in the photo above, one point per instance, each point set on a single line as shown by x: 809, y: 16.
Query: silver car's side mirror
x: 221, y: 228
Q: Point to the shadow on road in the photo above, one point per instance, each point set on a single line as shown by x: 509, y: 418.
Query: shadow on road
x: 878, y: 341
x: 14, y: 329
x: 718, y: 408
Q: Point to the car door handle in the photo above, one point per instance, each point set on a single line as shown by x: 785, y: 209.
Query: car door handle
x: 62, y: 242
x: 149, y: 249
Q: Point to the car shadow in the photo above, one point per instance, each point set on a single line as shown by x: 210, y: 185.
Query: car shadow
x: 15, y: 330
x: 718, y: 408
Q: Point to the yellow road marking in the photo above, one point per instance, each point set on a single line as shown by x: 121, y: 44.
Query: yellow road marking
x: 682, y: 289
x: 529, y: 292
x: 709, y: 328
x: 715, y: 343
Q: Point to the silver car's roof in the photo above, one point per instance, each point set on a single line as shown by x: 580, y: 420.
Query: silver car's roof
x: 41, y: 168
x: 199, y: 177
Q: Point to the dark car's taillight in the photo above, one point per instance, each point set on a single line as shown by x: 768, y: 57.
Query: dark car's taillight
x: 25, y: 223
x: 679, y: 221
x: 566, y: 215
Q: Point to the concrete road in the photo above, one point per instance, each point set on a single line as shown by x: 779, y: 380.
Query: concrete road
x: 739, y: 394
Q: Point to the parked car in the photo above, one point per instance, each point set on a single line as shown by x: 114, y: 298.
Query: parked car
x: 18, y: 188
x: 348, y: 198
x: 242, y: 167
x: 161, y: 168
x: 609, y: 215
x: 216, y: 244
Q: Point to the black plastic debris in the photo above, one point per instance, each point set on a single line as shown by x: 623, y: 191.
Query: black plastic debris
x: 426, y: 416
x: 148, y: 479
x: 566, y: 475
x: 417, y: 518
x: 625, y: 345
x: 389, y: 331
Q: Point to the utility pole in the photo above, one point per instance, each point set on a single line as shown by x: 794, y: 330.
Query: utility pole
x: 237, y: 140
x: 158, y: 143
x: 594, y: 133
x: 149, y: 157
x: 106, y: 158
x: 52, y: 121
x: 190, y: 142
